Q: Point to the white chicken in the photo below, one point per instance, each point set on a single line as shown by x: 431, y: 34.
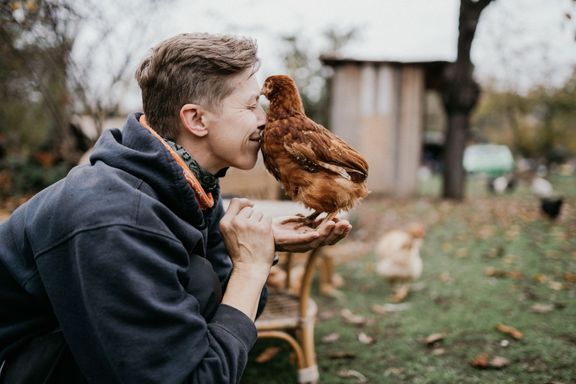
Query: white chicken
x: 541, y: 187
x: 399, y: 260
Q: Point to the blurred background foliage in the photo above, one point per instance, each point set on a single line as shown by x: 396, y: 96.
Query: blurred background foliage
x: 49, y: 77
x: 540, y: 124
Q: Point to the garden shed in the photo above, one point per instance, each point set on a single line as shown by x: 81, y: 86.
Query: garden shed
x: 382, y: 108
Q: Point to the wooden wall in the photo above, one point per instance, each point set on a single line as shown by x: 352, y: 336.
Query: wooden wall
x: 378, y: 108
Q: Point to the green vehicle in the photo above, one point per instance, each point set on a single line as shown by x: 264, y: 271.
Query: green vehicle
x: 490, y: 159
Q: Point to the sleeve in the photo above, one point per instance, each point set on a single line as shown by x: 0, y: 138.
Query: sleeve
x: 117, y: 293
x: 220, y: 258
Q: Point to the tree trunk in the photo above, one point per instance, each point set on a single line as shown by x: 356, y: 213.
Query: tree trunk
x: 455, y: 180
x: 460, y: 94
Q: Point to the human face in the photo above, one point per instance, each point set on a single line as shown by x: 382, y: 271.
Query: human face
x: 234, y: 133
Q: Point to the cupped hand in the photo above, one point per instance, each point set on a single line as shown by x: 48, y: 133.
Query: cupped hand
x: 291, y: 236
x: 248, y: 237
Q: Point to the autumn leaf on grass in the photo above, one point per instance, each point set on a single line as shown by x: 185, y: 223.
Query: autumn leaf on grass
x: 445, y: 277
x: 389, y: 307
x: 542, y: 308
x: 351, y: 318
x: 434, y: 338
x: 401, y: 294
x: 365, y: 339
x: 331, y: 337
x: 508, y: 330
x: 267, y: 355
x: 570, y: 277
x: 483, y: 361
x: 360, y: 378
x: 326, y: 315
x: 498, y: 273
x: 540, y: 278
x: 493, y: 272
x: 555, y: 285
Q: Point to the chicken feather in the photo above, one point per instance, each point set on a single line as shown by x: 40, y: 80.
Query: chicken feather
x: 315, y: 167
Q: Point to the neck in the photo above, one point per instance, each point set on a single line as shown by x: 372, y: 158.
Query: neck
x: 200, y: 153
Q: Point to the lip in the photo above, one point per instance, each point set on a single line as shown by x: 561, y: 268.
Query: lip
x: 256, y: 137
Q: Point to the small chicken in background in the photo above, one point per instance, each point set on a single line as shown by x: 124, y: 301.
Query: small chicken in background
x: 399, y: 261
x: 315, y: 167
x: 550, y: 201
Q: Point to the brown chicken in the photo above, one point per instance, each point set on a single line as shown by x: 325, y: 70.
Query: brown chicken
x: 316, y: 167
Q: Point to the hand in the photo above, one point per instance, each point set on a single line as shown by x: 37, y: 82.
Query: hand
x: 291, y: 236
x: 248, y: 238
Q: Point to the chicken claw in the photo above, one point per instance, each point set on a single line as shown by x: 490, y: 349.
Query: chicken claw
x: 303, y: 221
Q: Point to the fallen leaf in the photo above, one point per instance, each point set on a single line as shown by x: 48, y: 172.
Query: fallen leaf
x: 480, y: 360
x: 400, y: 294
x: 542, y: 308
x: 365, y: 339
x: 341, y: 355
x: 555, y: 285
x: 517, y: 275
x: 331, y: 337
x: 394, y: 371
x: 438, y: 351
x: 508, y: 330
x: 483, y: 361
x: 434, y: 338
x: 445, y: 277
x: 267, y: 355
x: 351, y: 318
x: 570, y: 277
x: 360, y: 378
x: 493, y: 272
x: 378, y: 309
x: 499, y: 273
x: 499, y: 362
x: 540, y: 278
x: 389, y: 307
x: 326, y: 315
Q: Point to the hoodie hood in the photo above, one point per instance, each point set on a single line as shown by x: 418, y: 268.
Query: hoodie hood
x: 136, y: 151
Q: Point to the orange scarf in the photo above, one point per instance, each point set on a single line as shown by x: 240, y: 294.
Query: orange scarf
x: 205, y: 200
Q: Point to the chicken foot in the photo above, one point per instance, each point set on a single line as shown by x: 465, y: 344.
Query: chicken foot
x: 303, y: 221
x: 310, y: 220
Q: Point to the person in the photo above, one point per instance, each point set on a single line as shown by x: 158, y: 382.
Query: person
x: 129, y: 269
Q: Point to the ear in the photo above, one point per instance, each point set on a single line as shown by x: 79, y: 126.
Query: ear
x: 192, y: 119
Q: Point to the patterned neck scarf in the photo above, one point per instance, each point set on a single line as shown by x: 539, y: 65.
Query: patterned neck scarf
x: 208, y: 181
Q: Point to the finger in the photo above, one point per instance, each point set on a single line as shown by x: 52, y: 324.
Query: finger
x: 326, y: 228
x: 340, y: 232
x: 257, y: 216
x: 267, y: 221
x: 246, y: 212
x: 236, y: 205
x: 299, y: 238
x: 343, y: 228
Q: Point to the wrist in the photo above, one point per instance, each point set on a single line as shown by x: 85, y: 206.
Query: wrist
x: 252, y: 271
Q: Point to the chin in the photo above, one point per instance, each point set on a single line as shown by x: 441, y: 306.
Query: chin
x: 247, y: 164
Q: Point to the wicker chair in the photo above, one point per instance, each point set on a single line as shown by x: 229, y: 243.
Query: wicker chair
x: 291, y: 317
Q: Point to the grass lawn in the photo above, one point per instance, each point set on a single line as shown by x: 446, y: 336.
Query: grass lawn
x: 489, y: 260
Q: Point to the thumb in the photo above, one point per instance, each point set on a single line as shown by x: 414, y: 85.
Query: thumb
x: 236, y: 205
